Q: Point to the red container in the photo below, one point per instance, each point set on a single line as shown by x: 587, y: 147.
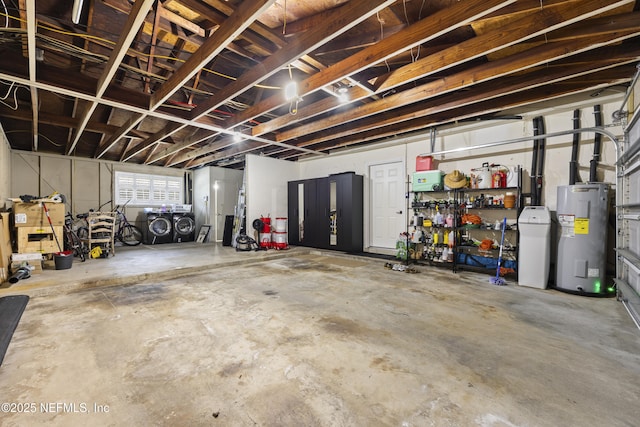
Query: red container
x: 499, y: 179
x: 424, y: 163
x: 266, y: 227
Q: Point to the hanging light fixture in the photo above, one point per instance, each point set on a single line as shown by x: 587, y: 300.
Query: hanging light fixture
x: 291, y: 93
x: 343, y: 94
x: 291, y: 88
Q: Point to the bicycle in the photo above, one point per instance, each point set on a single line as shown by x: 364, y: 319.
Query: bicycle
x: 72, y: 241
x: 126, y: 232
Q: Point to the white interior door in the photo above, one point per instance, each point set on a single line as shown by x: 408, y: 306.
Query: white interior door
x: 387, y: 204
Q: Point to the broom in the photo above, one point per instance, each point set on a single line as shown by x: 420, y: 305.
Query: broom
x: 499, y: 281
x: 46, y: 211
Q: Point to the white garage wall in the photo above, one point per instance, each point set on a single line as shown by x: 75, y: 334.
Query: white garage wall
x: 86, y: 183
x: 5, y: 170
x: 557, y: 156
x: 215, y: 195
x: 266, y: 187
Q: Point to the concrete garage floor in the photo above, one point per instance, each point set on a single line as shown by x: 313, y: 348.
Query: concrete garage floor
x: 205, y: 336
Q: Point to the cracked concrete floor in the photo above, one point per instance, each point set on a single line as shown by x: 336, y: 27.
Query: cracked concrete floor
x: 316, y: 340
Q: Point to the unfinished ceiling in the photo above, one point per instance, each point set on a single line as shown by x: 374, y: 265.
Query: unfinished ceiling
x: 189, y: 83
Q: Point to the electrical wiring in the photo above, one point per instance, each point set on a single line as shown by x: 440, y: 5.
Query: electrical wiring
x: 6, y: 14
x: 89, y: 37
x: 66, y: 48
x: 15, y: 88
x: 8, y: 90
x: 381, y: 21
x: 39, y: 134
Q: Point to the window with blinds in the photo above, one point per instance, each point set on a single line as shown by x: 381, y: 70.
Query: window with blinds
x: 147, y: 190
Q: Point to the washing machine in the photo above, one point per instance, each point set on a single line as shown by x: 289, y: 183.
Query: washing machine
x: 184, y: 227
x: 159, y: 228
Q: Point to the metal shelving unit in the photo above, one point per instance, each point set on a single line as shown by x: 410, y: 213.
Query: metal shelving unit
x: 454, y: 203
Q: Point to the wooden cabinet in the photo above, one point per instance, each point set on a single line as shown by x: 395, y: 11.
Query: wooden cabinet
x: 326, y: 212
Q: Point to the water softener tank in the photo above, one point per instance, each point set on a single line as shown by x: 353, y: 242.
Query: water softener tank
x: 583, y: 212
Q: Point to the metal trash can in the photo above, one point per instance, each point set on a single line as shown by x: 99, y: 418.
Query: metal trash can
x: 534, y: 250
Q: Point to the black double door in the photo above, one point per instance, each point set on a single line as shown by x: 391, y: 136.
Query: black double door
x: 326, y: 212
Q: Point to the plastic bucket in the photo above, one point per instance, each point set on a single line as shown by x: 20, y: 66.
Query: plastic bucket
x: 279, y: 240
x: 63, y: 260
x: 265, y: 240
x: 281, y: 225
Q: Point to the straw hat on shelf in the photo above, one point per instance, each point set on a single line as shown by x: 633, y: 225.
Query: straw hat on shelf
x: 455, y: 179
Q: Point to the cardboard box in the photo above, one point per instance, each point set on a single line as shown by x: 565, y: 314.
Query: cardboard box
x: 33, y: 215
x: 428, y: 181
x: 39, y: 239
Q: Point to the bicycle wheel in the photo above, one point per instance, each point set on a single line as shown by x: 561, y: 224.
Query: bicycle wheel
x: 130, y: 235
x: 77, y: 245
x: 83, y: 233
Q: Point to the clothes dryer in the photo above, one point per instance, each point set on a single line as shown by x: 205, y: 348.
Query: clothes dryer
x: 159, y: 228
x: 184, y: 227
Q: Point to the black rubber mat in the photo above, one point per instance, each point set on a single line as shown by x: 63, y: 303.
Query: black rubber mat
x: 11, y: 309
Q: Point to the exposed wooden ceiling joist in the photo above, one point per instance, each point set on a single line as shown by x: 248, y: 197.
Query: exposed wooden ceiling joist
x: 172, y: 87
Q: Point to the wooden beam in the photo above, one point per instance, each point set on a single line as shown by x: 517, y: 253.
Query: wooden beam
x: 344, y: 18
x: 539, y: 22
x: 490, y: 71
x: 485, y: 107
x: 227, y: 32
x: 246, y: 13
x: 134, y: 21
x: 429, y: 28
x: 154, y: 41
x: 487, y: 91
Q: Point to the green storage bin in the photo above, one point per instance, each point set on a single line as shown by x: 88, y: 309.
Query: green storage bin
x: 428, y: 181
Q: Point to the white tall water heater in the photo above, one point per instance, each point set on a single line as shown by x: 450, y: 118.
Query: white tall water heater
x: 583, y: 212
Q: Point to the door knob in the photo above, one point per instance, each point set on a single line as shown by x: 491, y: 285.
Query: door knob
x: 399, y: 212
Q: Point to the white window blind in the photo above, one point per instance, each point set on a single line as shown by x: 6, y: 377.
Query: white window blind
x: 140, y: 189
